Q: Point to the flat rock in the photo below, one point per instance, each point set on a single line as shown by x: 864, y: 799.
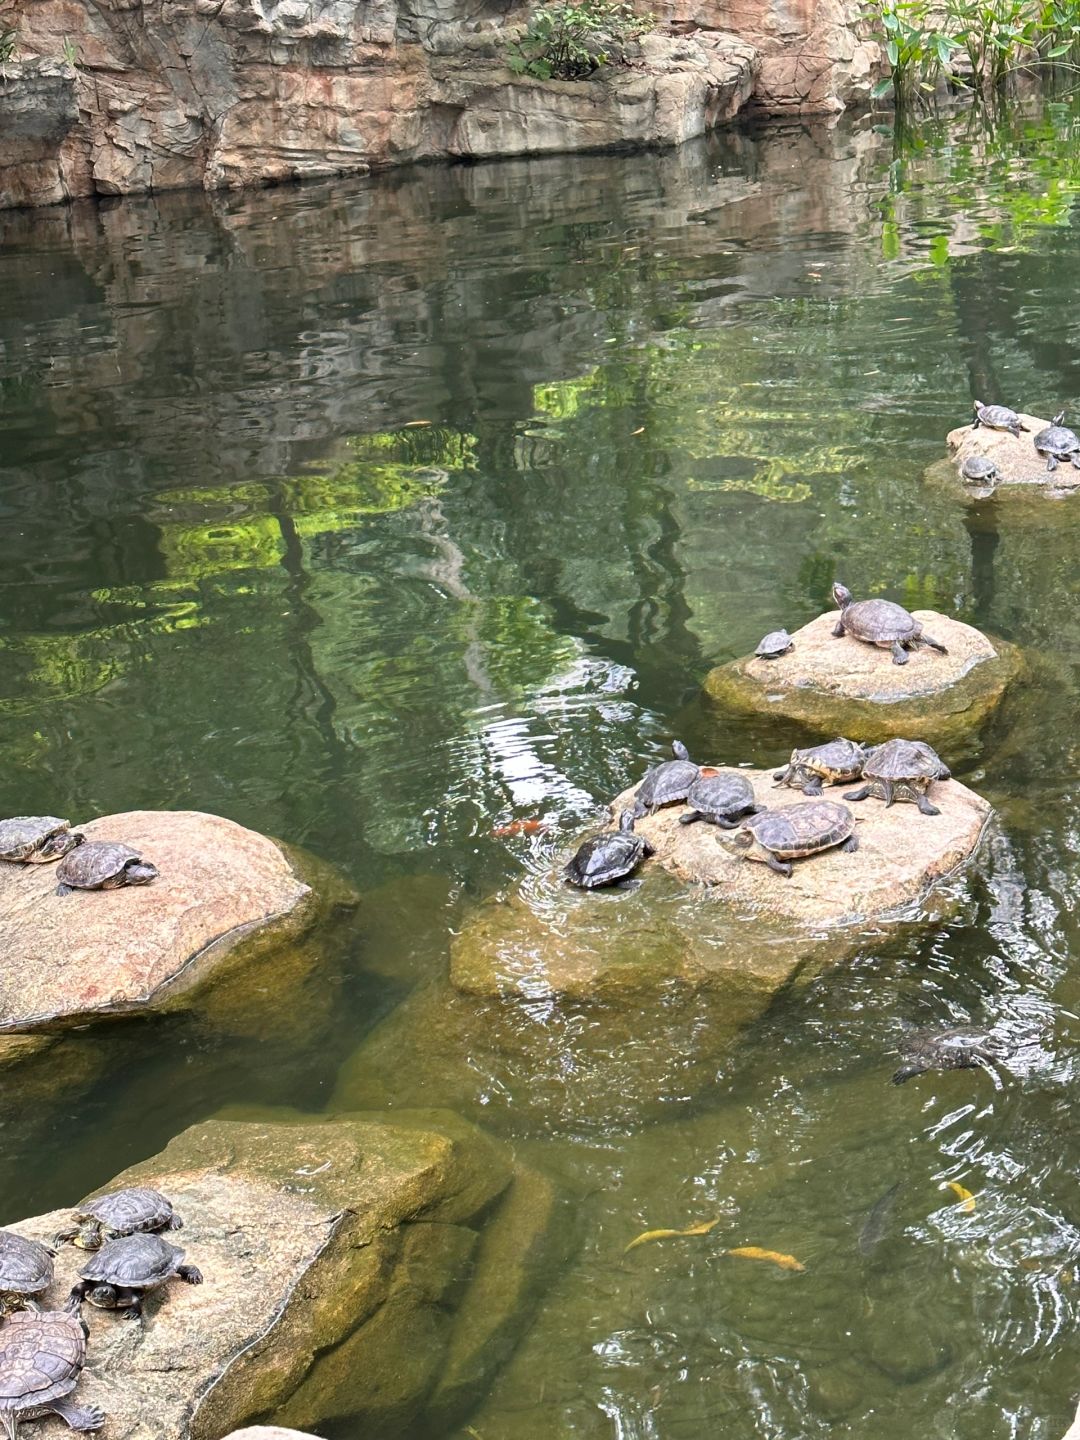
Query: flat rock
x: 1015, y: 456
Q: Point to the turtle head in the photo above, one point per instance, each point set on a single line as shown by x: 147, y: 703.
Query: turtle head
x: 59, y: 845
x: 88, y: 1236
x: 1059, y: 418
x: 841, y: 595
x: 976, y: 406
x: 736, y: 842
x: 140, y: 872
x: 626, y: 821
x: 103, y: 1296
x: 679, y: 750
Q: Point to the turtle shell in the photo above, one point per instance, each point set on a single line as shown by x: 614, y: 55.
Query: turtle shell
x: 1057, y: 440
x: 26, y: 1268
x: 879, y: 621
x: 998, y: 417
x: 41, y: 1355
x: 791, y: 831
x: 777, y: 642
x: 666, y: 783
x: 836, y: 761
x: 904, y: 760
x: 134, y: 1262
x: 22, y: 835
x: 94, y: 863
x: 127, y: 1212
x: 606, y: 858
x: 978, y: 467
x: 725, y: 793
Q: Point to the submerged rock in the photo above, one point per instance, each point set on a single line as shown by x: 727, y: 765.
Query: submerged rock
x: 1017, y: 460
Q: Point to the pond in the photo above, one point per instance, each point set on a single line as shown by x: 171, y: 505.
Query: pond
x: 379, y: 516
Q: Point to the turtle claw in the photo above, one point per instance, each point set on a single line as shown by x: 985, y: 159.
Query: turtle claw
x: 899, y: 654
x: 1051, y: 463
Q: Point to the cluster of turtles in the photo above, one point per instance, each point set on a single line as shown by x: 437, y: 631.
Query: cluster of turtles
x: 876, y: 622
x: 84, y: 864
x: 1056, y: 442
x: 42, y: 1352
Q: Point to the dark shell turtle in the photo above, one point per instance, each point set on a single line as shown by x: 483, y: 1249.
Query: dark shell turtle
x: 26, y: 1268
x: 880, y: 622
x: 41, y: 1357
x: 666, y: 784
x: 996, y: 417
x: 776, y: 837
x: 837, y: 762
x: 103, y: 865
x: 121, y: 1212
x: 775, y: 644
x: 721, y: 798
x: 1058, y: 442
x: 959, y: 1048
x: 607, y: 858
x: 980, y: 470
x: 901, y: 770
x: 119, y: 1274
x: 36, y: 839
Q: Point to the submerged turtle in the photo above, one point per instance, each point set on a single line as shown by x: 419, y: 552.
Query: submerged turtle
x: 36, y: 839
x: 997, y: 417
x: 26, y: 1268
x: 902, y: 770
x: 881, y: 623
x: 121, y: 1212
x: 41, y: 1357
x: 775, y: 644
x: 959, y: 1048
x: 980, y: 470
x: 837, y: 762
x: 1058, y: 442
x: 607, y: 858
x: 666, y: 784
x: 103, y: 865
x: 123, y: 1270
x: 776, y: 837
x: 721, y: 799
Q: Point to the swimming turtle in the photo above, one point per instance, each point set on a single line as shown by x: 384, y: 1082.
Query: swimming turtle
x: 26, y: 1268
x: 775, y: 644
x: 122, y: 1271
x: 882, y: 623
x: 776, y: 837
x: 103, y: 865
x: 607, y: 858
x: 837, y: 762
x: 980, y: 470
x: 901, y: 770
x: 41, y: 1357
x: 37, y: 839
x: 953, y: 1048
x: 121, y: 1212
x: 996, y: 417
x: 721, y: 798
x: 1058, y: 442
x: 667, y: 783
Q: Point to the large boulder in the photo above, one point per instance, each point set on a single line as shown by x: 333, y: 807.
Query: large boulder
x: 1018, y: 462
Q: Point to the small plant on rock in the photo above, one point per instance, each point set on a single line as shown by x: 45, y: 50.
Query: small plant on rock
x: 9, y: 30
x: 569, y: 41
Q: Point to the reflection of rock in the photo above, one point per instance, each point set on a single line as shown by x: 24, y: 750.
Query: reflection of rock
x: 1015, y: 456
x: 37, y: 109
x: 269, y: 1432
x: 843, y: 686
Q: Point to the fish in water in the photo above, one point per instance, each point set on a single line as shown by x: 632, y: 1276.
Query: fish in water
x: 877, y: 1222
x: 519, y: 827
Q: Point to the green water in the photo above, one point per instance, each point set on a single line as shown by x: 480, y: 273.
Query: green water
x: 665, y: 400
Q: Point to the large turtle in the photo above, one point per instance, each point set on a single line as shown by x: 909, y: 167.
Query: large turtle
x: 26, y: 1269
x: 882, y: 623
x: 980, y: 470
x: 901, y: 770
x: 953, y: 1048
x: 996, y: 417
x: 121, y: 1212
x: 41, y: 1357
x: 1058, y: 442
x: 837, y: 762
x: 36, y: 839
x: 103, y: 865
x: 122, y: 1271
x: 776, y: 837
x: 721, y: 797
x: 773, y: 645
x: 607, y: 858
x: 666, y: 784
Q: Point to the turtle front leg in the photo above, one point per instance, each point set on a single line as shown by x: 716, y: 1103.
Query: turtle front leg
x: 1051, y: 462
x: 863, y: 794
x: 723, y: 822
x: 63, y: 1236
x: 899, y: 654
x: 78, y: 1294
x: 813, y: 786
x: 925, y: 807
x: 78, y: 1417
x: 851, y: 844
x: 647, y: 850
x: 838, y: 629
x: 925, y: 639
x: 129, y: 1303
x: 782, y: 867
x: 1075, y: 458
x: 191, y: 1274
x: 690, y: 818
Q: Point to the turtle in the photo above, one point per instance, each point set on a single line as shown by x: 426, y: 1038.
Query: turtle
x: 881, y: 623
x: 26, y: 1269
x: 611, y: 856
x: 41, y: 1356
x: 1058, y: 442
x: 951, y: 1048
x: 901, y: 770
x: 666, y: 784
x: 980, y: 470
x: 776, y: 837
x: 103, y: 865
x: 37, y: 839
x: 120, y: 1273
x: 837, y: 762
x: 997, y: 417
x: 121, y: 1212
x: 775, y: 644
x: 721, y: 797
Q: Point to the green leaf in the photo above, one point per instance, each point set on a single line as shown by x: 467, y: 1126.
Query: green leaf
x: 881, y: 88
x: 893, y: 52
x: 1059, y: 50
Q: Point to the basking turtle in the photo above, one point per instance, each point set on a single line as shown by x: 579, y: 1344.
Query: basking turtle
x: 123, y: 1270
x: 837, y: 762
x: 1058, y: 442
x: 997, y: 417
x: 880, y: 622
x: 36, y: 839
x: 103, y: 865
x: 721, y: 798
x: 26, y: 1268
x: 959, y: 1048
x: 41, y: 1357
x: 666, y: 784
x: 607, y: 858
x: 901, y: 770
x: 121, y: 1212
x: 980, y: 470
x: 776, y: 837
x: 775, y: 644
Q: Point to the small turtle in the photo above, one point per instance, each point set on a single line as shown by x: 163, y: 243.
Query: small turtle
x: 959, y: 1048
x: 41, y: 1357
x: 775, y: 644
x: 881, y: 623
x: 607, y: 858
x: 776, y: 837
x: 996, y: 417
x: 837, y: 762
x: 103, y: 865
x: 26, y: 1268
x: 121, y: 1212
x: 36, y: 839
x: 980, y: 470
x: 666, y: 784
x: 121, y: 1272
x: 1058, y: 442
x: 901, y: 770
x: 722, y: 798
